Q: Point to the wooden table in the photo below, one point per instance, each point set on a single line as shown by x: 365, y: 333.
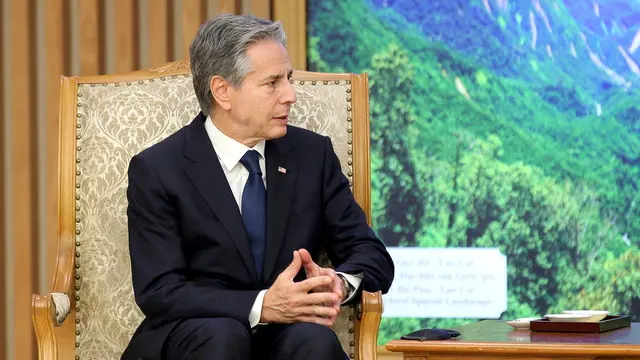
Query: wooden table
x: 492, y: 339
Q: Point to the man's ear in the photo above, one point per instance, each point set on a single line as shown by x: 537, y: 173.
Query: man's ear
x: 221, y: 91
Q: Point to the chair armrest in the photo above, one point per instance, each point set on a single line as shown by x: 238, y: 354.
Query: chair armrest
x: 369, y: 313
x: 49, y: 311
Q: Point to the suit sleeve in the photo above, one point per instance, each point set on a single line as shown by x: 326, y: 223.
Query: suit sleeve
x: 163, y: 289
x: 349, y: 241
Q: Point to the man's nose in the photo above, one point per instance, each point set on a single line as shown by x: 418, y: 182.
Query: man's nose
x: 289, y: 94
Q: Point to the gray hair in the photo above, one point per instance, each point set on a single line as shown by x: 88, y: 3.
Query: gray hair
x: 220, y: 49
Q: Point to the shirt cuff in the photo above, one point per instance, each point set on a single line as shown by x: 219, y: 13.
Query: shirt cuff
x: 354, y: 281
x: 256, y: 309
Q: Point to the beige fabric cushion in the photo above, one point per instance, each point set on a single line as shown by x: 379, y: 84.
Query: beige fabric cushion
x: 117, y: 121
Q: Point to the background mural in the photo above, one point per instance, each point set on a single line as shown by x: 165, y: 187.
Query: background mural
x: 505, y: 124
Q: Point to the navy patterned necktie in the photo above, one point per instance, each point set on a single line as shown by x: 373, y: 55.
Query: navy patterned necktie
x: 254, y: 201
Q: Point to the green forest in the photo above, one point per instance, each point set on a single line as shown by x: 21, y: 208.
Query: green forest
x: 482, y: 148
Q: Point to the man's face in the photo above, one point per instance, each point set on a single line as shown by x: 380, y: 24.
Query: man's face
x: 260, y: 107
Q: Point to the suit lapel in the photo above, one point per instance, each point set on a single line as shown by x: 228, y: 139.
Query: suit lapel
x: 204, y: 169
x: 281, y: 179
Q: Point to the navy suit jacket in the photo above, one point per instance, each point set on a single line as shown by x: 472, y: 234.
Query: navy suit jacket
x: 190, y: 253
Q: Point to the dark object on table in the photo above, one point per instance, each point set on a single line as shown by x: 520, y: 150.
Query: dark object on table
x: 610, y: 322
x: 431, y: 334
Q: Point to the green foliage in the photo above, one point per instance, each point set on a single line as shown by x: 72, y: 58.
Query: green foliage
x: 478, y: 144
x: 544, y: 226
x: 396, y: 185
x: 612, y: 284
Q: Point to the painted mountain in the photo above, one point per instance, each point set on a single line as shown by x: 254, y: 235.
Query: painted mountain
x: 597, y: 41
x: 502, y: 123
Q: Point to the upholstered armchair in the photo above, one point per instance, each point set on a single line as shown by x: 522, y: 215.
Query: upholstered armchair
x: 104, y: 121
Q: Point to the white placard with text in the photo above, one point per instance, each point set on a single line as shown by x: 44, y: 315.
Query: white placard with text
x: 447, y: 283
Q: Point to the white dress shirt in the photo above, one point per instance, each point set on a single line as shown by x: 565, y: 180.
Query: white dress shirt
x: 229, y: 153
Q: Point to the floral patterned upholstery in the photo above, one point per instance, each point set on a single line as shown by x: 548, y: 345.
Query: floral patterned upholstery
x: 116, y: 121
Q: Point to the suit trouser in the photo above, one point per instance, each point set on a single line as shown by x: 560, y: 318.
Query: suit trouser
x: 228, y: 339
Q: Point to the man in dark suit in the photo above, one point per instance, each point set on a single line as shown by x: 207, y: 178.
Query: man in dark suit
x: 225, y: 214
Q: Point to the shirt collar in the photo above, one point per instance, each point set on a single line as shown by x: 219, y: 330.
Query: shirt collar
x: 229, y: 151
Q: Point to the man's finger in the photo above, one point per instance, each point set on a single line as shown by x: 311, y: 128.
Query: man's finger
x: 328, y: 272
x: 318, y: 298
x: 340, y: 294
x: 338, y: 288
x: 305, y: 255
x: 310, y: 267
x: 293, y: 268
x: 317, y: 320
x: 318, y: 310
x: 312, y: 283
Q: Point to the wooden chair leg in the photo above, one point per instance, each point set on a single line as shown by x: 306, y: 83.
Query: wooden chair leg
x: 369, y: 314
x: 44, y: 321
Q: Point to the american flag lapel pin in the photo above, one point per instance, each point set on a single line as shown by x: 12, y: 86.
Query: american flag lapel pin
x: 282, y: 170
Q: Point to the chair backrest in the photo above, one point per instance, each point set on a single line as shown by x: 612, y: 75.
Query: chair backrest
x: 105, y: 120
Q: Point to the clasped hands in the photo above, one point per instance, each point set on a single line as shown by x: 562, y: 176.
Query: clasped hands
x: 316, y: 299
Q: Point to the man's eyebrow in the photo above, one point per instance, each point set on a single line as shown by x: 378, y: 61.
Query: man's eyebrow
x: 273, y: 77
x: 278, y: 76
